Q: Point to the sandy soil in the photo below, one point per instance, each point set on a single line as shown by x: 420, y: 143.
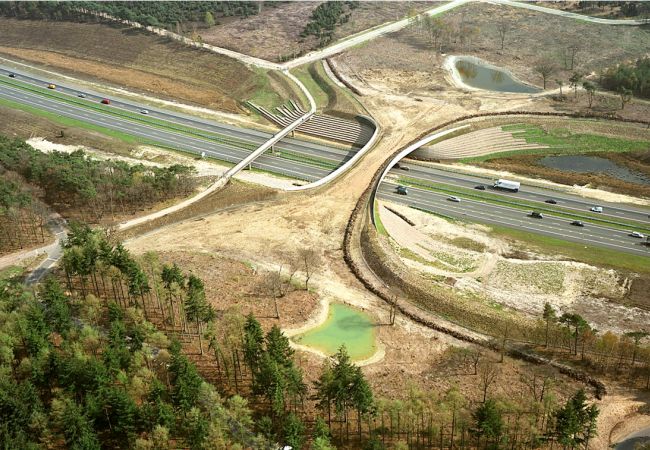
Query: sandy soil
x: 520, y: 285
x: 619, y: 416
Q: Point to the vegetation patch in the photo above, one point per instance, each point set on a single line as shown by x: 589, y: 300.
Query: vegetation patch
x: 534, y: 277
x: 595, y: 256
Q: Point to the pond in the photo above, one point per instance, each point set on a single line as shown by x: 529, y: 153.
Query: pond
x: 633, y: 440
x: 344, y: 325
x: 593, y: 164
x: 475, y: 73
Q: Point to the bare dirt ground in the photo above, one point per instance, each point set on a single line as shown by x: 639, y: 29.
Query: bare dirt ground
x: 274, y: 33
x: 134, y: 60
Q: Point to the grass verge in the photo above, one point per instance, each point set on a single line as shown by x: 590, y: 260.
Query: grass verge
x: 378, y: 224
x: 596, y: 256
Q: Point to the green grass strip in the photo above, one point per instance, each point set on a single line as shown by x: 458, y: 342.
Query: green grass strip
x: 310, y: 160
x: 378, y: 223
x: 526, y: 205
x: 593, y: 255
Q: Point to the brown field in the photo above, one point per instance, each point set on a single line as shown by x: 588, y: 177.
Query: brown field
x: 135, y: 60
x: 274, y: 34
x: 532, y: 35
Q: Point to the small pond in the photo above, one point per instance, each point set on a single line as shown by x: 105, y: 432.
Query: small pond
x: 344, y: 325
x: 632, y: 441
x: 483, y: 76
x: 593, y: 164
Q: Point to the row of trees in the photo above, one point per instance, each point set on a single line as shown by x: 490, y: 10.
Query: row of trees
x: 326, y: 17
x: 94, y: 188
x: 165, y: 14
x: 22, y: 215
x: 606, y: 353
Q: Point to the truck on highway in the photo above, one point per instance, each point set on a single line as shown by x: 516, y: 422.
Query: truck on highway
x: 507, y: 185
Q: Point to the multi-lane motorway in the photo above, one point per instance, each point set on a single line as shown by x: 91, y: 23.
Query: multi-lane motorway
x: 294, y: 157
x: 475, y: 210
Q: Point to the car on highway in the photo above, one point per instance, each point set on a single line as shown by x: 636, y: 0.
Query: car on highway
x: 577, y: 223
x: 453, y: 199
x: 480, y: 187
x: 402, y: 190
x: 551, y: 201
x: 51, y: 86
x: 81, y: 95
x: 597, y: 209
x: 144, y: 111
x: 105, y: 101
x: 12, y: 75
x: 636, y: 234
x: 397, y: 166
x: 537, y: 215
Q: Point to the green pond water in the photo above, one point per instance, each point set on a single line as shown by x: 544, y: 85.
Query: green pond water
x: 344, y: 325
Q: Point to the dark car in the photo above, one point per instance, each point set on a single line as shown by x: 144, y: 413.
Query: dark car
x: 402, y: 190
x: 577, y: 223
x: 480, y: 187
x: 537, y: 215
x: 397, y: 166
x: 12, y: 75
x: 551, y: 201
x: 105, y: 101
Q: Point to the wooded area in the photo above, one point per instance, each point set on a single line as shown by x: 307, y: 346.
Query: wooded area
x: 165, y: 14
x: 78, y: 186
x: 22, y: 215
x: 134, y: 386
x: 633, y: 77
x: 326, y: 17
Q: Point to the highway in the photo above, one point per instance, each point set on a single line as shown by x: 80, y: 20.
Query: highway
x: 477, y: 211
x: 295, y: 158
x: 580, y: 205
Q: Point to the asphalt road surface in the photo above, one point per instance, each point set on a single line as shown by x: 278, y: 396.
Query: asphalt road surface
x: 477, y: 211
x: 192, y: 143
x: 611, y: 211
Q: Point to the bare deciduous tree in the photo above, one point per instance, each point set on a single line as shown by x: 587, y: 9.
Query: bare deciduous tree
x: 488, y: 372
x: 309, y: 260
x: 545, y: 67
x: 503, y: 27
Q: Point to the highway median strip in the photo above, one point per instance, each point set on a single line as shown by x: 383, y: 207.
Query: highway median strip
x: 526, y: 206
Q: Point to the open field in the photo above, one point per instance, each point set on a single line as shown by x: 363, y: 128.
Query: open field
x: 274, y: 33
x: 138, y: 61
x: 410, y: 65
